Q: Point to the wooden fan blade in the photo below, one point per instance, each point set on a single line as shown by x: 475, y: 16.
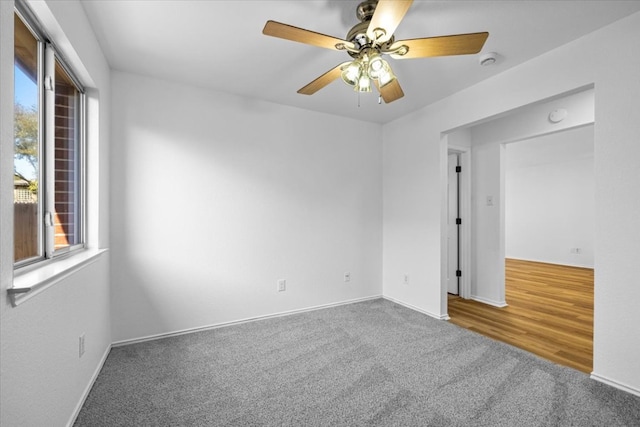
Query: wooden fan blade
x: 289, y: 32
x: 459, y: 44
x: 322, y: 81
x: 387, y: 16
x: 391, y: 91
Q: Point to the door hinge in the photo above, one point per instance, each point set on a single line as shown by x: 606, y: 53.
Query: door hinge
x: 458, y: 273
x: 458, y: 169
x: 458, y: 221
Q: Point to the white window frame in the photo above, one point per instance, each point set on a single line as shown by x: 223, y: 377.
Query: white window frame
x: 47, y: 57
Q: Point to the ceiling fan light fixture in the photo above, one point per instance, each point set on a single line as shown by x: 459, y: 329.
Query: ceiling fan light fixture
x: 364, y: 84
x: 386, y: 77
x: 351, y: 73
x: 380, y: 70
x: 376, y: 66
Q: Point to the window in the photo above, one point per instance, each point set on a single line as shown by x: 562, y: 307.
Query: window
x: 48, y: 151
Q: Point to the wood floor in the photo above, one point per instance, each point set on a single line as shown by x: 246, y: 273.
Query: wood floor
x: 549, y: 313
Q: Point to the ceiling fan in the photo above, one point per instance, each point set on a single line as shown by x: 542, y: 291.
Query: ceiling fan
x: 368, y: 41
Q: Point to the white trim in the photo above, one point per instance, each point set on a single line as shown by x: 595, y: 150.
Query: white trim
x: 48, y: 144
x: 88, y: 388
x: 238, y: 322
x: 465, y: 214
x: 419, y: 310
x: 50, y: 272
x: 616, y: 384
x: 464, y: 290
x: 499, y: 304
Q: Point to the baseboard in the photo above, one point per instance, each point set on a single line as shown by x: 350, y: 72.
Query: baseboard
x: 238, y: 322
x: 615, y: 384
x: 419, y: 310
x: 499, y: 304
x: 88, y: 388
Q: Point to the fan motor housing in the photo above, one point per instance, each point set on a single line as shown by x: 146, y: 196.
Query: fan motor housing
x: 358, y: 36
x: 358, y: 33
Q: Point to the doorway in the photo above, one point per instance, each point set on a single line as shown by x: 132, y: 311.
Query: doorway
x: 483, y: 171
x: 499, y: 227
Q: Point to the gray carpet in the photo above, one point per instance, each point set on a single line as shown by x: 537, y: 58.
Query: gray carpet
x: 371, y: 363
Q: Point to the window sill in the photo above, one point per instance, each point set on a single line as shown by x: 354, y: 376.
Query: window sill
x: 41, y: 278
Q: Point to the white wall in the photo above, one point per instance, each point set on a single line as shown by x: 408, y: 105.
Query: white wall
x: 415, y: 182
x: 549, y: 198
x: 216, y: 197
x: 487, y: 213
x: 413, y: 167
x: 43, y: 378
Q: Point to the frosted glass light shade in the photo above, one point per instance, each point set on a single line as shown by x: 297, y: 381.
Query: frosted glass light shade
x: 364, y: 84
x: 351, y: 73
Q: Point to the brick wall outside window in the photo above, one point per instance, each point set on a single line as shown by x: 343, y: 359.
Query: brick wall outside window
x: 66, y: 158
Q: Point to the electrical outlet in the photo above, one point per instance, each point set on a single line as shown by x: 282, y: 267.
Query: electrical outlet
x: 406, y: 279
x: 347, y: 276
x: 576, y: 250
x: 80, y: 345
x: 282, y: 285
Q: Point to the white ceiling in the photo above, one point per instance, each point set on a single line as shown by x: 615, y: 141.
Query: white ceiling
x: 219, y: 44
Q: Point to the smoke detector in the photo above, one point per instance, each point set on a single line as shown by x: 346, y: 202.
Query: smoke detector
x: 488, y: 59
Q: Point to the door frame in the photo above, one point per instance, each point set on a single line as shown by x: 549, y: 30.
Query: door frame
x: 453, y: 230
x: 464, y: 154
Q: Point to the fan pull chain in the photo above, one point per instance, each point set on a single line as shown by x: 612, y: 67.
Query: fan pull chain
x: 358, y: 99
x: 379, y: 99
